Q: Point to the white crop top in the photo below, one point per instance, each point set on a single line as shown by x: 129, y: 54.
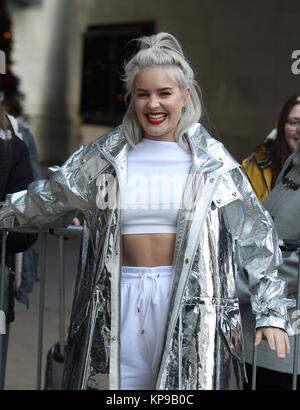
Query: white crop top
x: 156, y: 176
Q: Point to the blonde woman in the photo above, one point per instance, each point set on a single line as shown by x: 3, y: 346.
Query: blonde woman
x: 168, y: 216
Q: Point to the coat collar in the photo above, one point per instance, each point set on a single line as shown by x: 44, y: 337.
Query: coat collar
x: 202, y: 146
x: 113, y: 145
x: 208, y: 153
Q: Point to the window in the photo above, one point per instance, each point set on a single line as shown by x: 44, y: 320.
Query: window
x: 105, y: 48
x: 24, y: 3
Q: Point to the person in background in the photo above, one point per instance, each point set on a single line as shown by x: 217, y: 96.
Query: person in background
x: 283, y: 205
x: 12, y: 104
x: 155, y: 303
x: 15, y: 175
x: 264, y: 165
x: 26, y: 263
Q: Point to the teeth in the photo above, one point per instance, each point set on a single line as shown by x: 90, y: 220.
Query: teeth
x: 156, y: 116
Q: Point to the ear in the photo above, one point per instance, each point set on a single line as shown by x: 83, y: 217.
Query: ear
x: 187, y: 94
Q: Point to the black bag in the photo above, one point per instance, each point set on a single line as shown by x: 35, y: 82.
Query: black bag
x: 55, y: 356
x: 54, y: 368
x: 4, y: 270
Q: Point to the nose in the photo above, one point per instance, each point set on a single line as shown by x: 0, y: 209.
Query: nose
x: 153, y: 102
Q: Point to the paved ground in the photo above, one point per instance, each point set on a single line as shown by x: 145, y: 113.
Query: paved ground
x: 21, y: 373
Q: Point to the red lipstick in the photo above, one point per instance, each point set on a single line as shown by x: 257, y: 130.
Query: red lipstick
x: 156, y: 118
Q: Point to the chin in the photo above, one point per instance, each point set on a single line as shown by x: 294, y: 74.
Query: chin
x: 154, y: 134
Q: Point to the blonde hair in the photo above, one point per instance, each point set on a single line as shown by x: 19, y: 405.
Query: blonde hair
x: 161, y: 50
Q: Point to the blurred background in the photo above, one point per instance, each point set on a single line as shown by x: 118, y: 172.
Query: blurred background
x: 63, y: 65
x: 66, y: 57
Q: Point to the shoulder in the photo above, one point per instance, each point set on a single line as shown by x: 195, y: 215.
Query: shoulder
x: 13, y: 122
x: 220, y: 153
x: 88, y: 161
x: 109, y: 140
x: 19, y: 146
x: 12, y: 146
x: 293, y: 158
x: 246, y: 161
x: 259, y: 154
x: 203, y: 143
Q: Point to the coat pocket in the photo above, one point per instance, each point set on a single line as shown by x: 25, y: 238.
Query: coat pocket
x: 231, y: 331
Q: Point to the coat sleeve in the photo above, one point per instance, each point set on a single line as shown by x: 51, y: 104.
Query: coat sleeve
x: 48, y: 202
x: 259, y: 256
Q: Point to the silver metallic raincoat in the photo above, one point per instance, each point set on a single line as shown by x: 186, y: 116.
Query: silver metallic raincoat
x: 222, y: 230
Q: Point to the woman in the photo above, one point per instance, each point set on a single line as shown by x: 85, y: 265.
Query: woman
x: 282, y: 204
x: 155, y: 302
x: 263, y: 166
x: 15, y: 175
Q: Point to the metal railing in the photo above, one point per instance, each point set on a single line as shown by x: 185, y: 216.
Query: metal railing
x: 61, y: 233
x: 286, y: 245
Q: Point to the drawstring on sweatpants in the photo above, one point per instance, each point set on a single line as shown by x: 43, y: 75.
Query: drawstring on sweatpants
x: 144, y: 307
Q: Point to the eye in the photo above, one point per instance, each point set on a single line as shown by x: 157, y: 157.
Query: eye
x: 292, y: 122
x: 165, y: 93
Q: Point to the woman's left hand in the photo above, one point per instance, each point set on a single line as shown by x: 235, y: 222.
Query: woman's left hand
x: 277, y: 338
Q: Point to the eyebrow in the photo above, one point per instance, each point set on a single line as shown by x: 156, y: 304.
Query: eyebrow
x: 160, y: 89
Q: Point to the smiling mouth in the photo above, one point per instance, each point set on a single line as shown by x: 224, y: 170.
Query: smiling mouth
x: 156, y: 118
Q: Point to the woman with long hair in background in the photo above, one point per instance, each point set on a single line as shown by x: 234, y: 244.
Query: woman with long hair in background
x: 264, y: 165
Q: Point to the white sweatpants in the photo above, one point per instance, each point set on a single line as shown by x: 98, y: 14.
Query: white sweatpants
x: 144, y: 307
